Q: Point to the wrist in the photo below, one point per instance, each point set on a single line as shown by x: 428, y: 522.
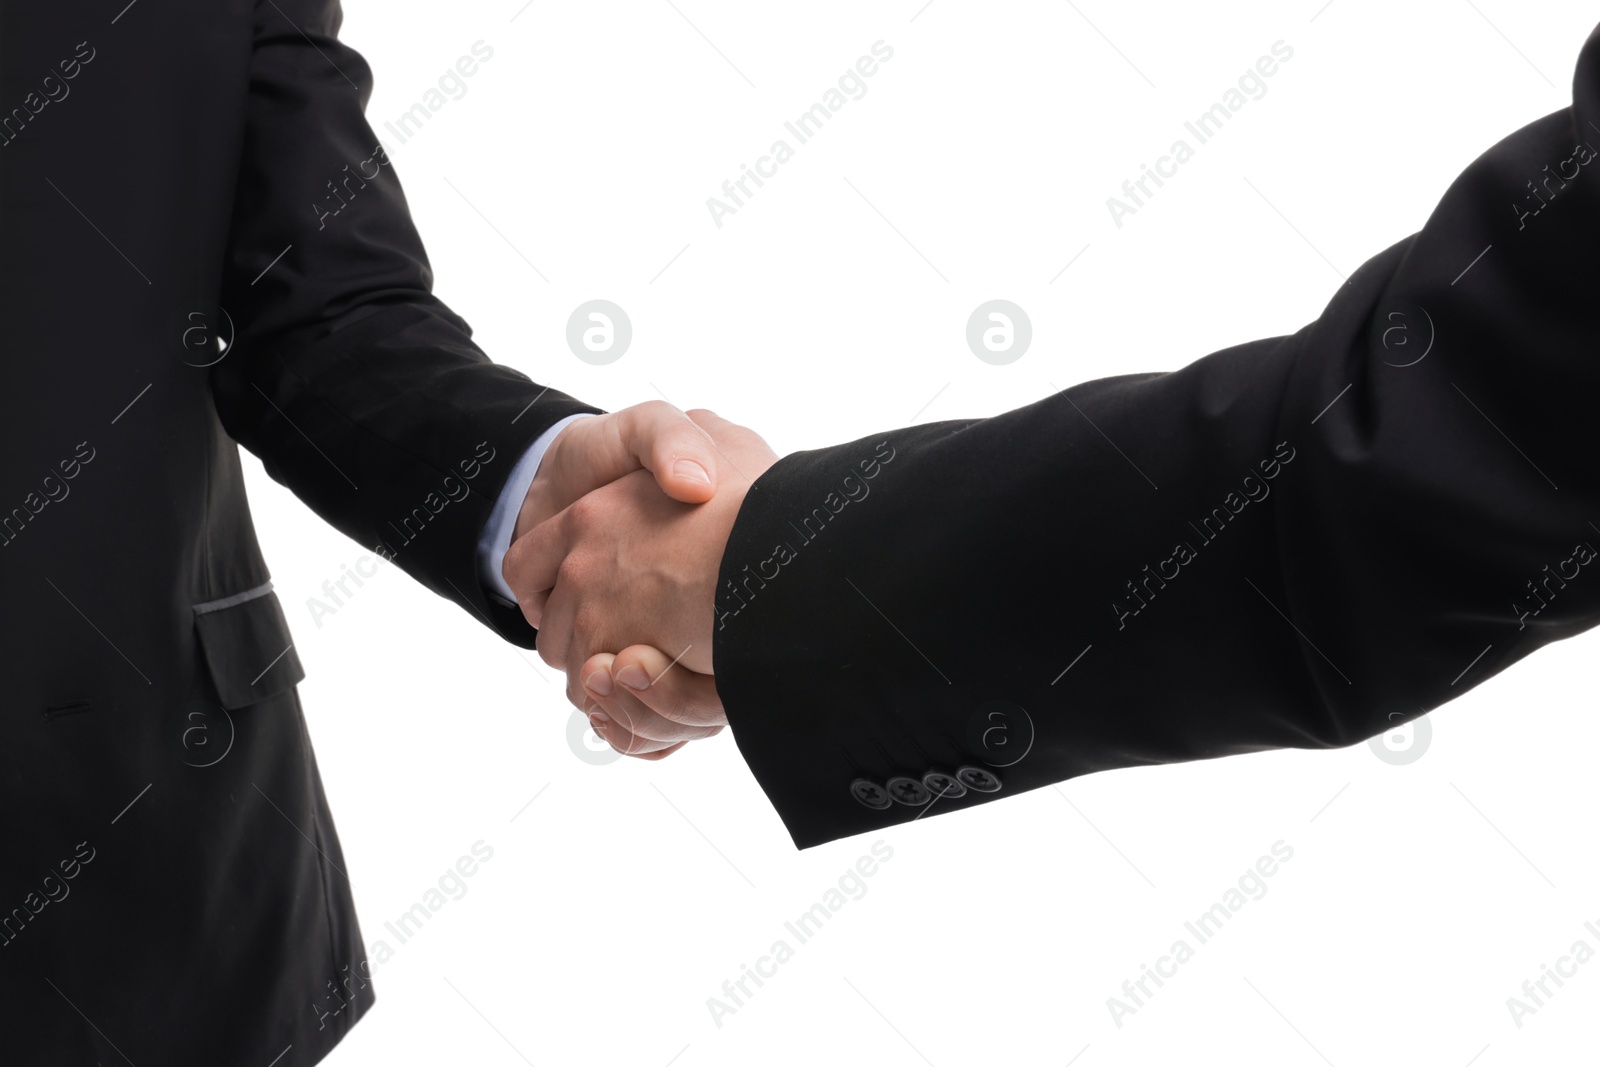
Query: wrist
x: 736, y: 573
x: 542, y: 500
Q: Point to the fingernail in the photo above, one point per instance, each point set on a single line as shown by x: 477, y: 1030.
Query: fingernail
x: 598, y: 719
x: 633, y: 677
x: 694, y: 472
x: 599, y: 683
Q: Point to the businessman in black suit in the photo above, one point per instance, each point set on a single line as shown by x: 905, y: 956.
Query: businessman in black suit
x: 176, y: 280
x: 1354, y: 524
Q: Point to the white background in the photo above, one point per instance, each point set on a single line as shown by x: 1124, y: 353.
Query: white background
x: 1419, y: 897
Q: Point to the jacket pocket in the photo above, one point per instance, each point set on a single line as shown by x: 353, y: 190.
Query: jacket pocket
x: 247, y: 646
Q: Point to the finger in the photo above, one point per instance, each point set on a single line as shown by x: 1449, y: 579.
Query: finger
x: 671, y: 446
x: 629, y: 712
x: 557, y: 630
x: 668, y: 688
x: 533, y: 561
x: 594, y: 452
x: 533, y: 605
x: 721, y: 430
x: 615, y: 733
x: 731, y: 439
x: 664, y: 752
x: 605, y: 721
x: 592, y: 678
x: 708, y: 420
x: 659, y: 753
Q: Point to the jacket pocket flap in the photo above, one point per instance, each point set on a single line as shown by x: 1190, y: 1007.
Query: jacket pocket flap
x: 247, y: 647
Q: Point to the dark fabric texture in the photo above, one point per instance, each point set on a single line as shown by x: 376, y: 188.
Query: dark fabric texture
x: 1302, y: 541
x: 173, y: 889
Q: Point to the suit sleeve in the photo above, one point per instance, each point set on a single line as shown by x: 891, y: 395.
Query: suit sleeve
x: 1301, y: 541
x: 359, y: 390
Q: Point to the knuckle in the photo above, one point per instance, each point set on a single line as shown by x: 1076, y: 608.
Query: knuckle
x: 586, y: 521
x: 573, y: 572
x: 665, y: 699
x: 511, y: 564
x: 587, y: 621
x: 582, y: 513
x: 551, y: 650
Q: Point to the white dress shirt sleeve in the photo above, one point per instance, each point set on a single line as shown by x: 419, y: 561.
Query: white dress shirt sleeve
x: 496, y: 536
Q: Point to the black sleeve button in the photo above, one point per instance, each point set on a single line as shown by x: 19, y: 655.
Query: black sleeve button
x: 976, y: 778
x: 870, y: 793
x: 944, y: 785
x: 909, y: 791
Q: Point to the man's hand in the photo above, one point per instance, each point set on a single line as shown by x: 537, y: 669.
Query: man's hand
x: 592, y: 452
x: 627, y: 565
x: 645, y: 705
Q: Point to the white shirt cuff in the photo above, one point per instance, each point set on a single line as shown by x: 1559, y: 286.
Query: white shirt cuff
x: 502, y: 522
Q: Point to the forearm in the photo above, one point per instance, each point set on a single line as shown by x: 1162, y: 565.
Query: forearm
x: 357, y: 387
x: 1297, y: 542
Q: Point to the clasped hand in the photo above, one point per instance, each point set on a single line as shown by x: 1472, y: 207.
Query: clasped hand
x: 614, y: 560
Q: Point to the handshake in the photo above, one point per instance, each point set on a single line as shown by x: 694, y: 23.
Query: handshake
x: 614, y: 559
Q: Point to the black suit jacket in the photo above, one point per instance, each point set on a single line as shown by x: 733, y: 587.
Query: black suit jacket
x: 1297, y: 542
x: 173, y: 890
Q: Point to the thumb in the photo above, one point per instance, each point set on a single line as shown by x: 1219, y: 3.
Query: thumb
x: 664, y: 441
x: 731, y: 434
x: 594, y: 452
x: 533, y: 562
